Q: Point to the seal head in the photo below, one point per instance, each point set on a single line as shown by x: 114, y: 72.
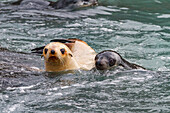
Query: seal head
x: 109, y: 59
x: 58, y: 57
x: 106, y: 59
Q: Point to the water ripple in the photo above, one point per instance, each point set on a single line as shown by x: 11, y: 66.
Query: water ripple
x: 138, y: 30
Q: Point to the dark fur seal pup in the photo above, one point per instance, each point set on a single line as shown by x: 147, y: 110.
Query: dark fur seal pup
x: 40, y: 4
x: 32, y: 4
x: 73, y: 3
x: 109, y: 59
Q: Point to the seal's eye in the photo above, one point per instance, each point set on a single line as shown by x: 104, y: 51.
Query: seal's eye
x: 62, y: 51
x: 112, y: 62
x: 96, y: 58
x: 46, y: 50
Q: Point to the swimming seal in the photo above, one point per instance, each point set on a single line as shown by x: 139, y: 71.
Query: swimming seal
x: 67, y: 54
x: 41, y: 4
x: 73, y: 3
x: 109, y: 59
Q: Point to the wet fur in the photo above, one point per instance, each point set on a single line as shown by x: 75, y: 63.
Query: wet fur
x: 57, y: 5
x: 124, y: 63
x: 82, y: 52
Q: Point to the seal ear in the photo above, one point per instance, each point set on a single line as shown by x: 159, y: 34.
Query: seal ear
x: 70, y: 55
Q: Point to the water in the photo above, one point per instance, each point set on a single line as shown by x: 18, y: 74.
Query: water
x: 138, y: 30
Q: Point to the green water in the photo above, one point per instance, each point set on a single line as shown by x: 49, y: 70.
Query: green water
x: 138, y: 29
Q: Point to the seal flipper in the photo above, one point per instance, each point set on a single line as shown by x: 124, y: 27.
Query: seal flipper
x: 62, y: 40
x: 67, y: 42
x: 137, y: 66
x: 70, y: 40
x: 17, y: 2
x: 38, y: 50
x: 129, y: 65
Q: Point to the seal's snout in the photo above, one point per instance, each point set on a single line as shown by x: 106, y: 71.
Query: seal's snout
x: 52, y: 52
x: 99, y: 63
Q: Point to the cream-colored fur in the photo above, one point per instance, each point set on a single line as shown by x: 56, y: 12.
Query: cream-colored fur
x: 78, y: 55
x: 84, y: 55
x: 59, y: 62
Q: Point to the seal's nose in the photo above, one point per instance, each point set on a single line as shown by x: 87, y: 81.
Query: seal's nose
x: 52, y: 52
x: 98, y: 63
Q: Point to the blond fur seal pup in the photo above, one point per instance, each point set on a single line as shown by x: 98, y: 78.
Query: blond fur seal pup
x: 67, y: 54
x: 110, y: 59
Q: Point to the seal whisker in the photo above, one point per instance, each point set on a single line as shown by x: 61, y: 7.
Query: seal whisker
x: 61, y: 59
